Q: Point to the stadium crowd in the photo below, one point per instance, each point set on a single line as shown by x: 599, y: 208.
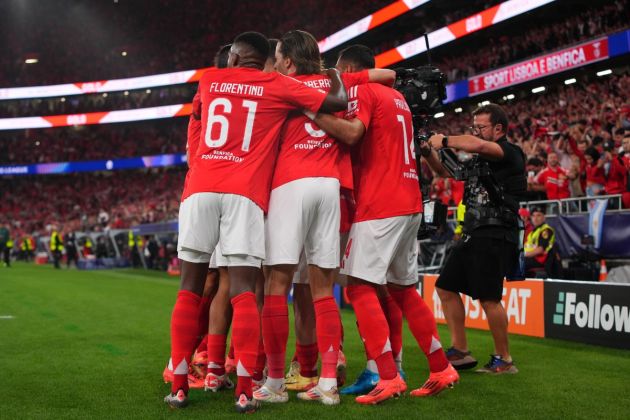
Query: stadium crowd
x: 563, y: 31
x: 91, y: 202
x: 573, y: 137
x: 108, y: 141
x: 167, y: 95
x: 577, y: 125
x: 154, y: 39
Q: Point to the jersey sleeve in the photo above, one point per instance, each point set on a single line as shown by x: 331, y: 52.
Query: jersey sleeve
x: 301, y: 96
x: 360, y: 104
x: 353, y: 79
x: 196, y: 106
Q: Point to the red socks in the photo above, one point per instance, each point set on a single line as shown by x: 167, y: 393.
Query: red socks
x: 204, y: 315
x: 261, y: 360
x: 395, y: 322
x: 373, y: 328
x: 422, y: 325
x: 275, y: 329
x: 328, y: 328
x: 216, y: 353
x: 307, y: 358
x: 184, y: 328
x: 246, y: 337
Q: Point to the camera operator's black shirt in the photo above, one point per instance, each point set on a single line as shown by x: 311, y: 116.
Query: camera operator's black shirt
x: 507, y: 172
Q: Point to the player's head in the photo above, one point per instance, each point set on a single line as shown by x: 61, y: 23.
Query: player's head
x: 221, y: 57
x: 355, y: 58
x: 490, y: 122
x: 249, y: 49
x: 298, y: 53
x: 270, y: 64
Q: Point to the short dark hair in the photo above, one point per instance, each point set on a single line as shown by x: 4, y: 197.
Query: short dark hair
x: 592, y: 152
x: 221, y: 57
x: 534, y: 161
x: 497, y: 115
x: 257, y: 41
x: 301, y: 47
x: 273, y: 43
x: 359, y: 55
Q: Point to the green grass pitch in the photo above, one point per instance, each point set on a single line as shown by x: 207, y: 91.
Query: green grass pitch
x: 76, y: 344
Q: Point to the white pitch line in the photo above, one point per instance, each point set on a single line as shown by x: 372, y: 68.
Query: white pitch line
x: 6, y: 317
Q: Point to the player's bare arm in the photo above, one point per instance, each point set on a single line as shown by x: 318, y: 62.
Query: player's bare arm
x: 346, y: 131
x: 471, y: 144
x: 337, y: 98
x: 385, y: 77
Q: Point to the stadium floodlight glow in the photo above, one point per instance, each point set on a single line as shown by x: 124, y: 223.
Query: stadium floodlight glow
x: 368, y: 23
x: 105, y: 95
x: 510, y: 97
x: 148, y: 90
x: 63, y: 99
x: 458, y: 110
x: 31, y: 61
x: 114, y: 85
x: 538, y: 89
x: 107, y: 117
x: 482, y: 20
x: 438, y: 115
x: 484, y: 103
x: 124, y: 53
x: 604, y: 72
x: 570, y: 81
x: 126, y: 93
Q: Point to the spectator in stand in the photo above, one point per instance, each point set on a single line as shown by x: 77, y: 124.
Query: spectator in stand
x: 525, y: 216
x: 555, y: 179
x: 539, y: 241
x: 534, y: 191
x: 595, y: 178
x: 614, y: 170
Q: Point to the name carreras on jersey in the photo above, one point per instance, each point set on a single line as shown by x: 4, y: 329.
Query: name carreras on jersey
x: 237, y: 88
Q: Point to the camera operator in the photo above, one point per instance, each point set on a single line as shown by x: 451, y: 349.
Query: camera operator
x: 489, y: 249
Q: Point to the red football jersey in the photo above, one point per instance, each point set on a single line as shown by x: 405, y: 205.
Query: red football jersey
x: 242, y: 113
x: 385, y: 173
x: 306, y: 150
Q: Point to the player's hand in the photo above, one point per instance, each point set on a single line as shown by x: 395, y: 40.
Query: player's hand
x: 436, y: 141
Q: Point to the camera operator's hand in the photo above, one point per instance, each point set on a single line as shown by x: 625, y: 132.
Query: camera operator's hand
x: 436, y: 141
x: 425, y: 149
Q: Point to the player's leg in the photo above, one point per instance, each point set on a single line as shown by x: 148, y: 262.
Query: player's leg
x: 200, y: 357
x: 283, y: 244
x: 365, y: 261
x: 219, y: 324
x: 198, y: 213
x: 322, y: 255
x: 402, y: 277
x: 261, y: 360
x: 306, y: 351
x: 275, y: 330
x: 394, y: 317
x: 243, y: 245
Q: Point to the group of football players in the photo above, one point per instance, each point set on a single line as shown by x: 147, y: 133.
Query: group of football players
x: 298, y: 177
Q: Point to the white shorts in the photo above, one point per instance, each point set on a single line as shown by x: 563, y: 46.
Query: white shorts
x: 233, y: 221
x: 301, y: 273
x: 383, y: 250
x: 304, y: 214
x: 218, y: 259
